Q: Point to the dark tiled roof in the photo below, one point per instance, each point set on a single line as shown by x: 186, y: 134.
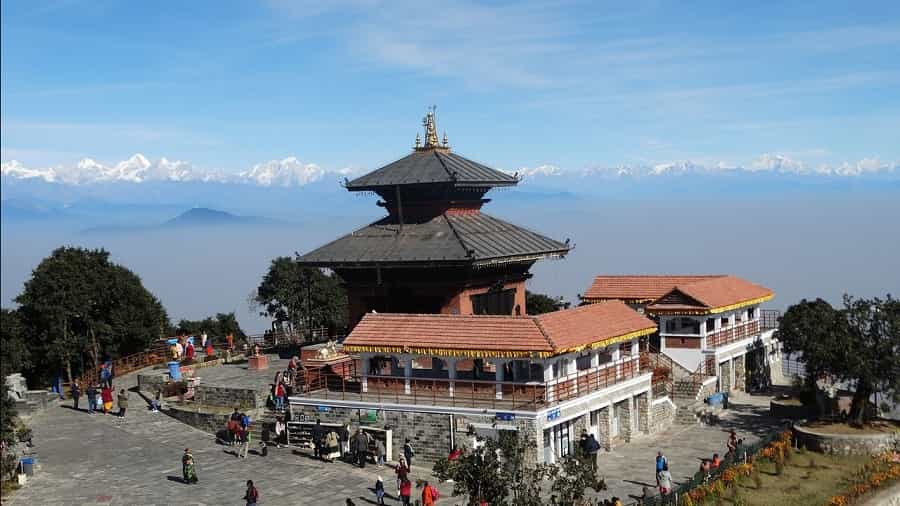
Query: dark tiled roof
x: 548, y: 334
x: 432, y: 166
x: 448, y: 237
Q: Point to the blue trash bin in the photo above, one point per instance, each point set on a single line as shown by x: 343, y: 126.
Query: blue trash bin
x: 27, y: 465
x: 175, y: 371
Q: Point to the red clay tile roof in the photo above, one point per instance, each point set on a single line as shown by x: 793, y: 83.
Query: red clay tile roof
x: 498, y: 336
x: 604, y: 322
x: 637, y: 288
x: 712, y: 295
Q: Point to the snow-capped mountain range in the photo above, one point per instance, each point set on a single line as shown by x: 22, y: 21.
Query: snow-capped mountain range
x: 138, y: 169
x: 291, y: 172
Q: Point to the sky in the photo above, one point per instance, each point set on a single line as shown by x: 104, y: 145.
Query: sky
x: 340, y: 84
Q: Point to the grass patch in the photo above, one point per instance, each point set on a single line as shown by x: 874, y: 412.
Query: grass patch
x: 798, y: 484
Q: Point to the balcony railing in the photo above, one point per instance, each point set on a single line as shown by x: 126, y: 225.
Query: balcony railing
x: 768, y: 319
x: 732, y: 334
x: 326, y: 385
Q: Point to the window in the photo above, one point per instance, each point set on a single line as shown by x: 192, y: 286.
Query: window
x: 562, y: 439
x: 724, y: 322
x: 494, y: 302
x: 710, y: 324
x: 751, y: 313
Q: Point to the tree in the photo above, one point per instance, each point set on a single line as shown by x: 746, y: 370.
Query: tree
x: 858, y: 344
x: 301, y: 297
x: 501, y: 473
x: 215, y: 327
x: 78, y: 306
x: 538, y: 303
x: 14, y: 355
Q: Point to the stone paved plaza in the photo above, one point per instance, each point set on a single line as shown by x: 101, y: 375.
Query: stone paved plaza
x: 100, y: 460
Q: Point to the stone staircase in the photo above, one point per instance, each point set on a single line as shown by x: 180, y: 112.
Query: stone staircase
x: 688, y: 394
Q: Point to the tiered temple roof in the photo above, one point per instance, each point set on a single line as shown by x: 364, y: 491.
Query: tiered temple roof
x: 570, y: 330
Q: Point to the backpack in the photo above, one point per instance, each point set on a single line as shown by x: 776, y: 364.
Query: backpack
x: 245, y: 421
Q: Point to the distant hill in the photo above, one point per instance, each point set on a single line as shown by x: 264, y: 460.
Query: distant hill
x: 196, y: 218
x: 201, y: 216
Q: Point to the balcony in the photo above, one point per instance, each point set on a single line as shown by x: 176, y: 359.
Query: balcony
x: 732, y: 334
x: 467, y: 393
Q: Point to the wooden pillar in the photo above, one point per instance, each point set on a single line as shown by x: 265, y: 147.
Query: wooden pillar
x: 451, y: 373
x: 364, y: 359
x: 499, y: 366
x: 407, y: 373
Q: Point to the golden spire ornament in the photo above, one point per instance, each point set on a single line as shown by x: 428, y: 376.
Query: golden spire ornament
x: 431, y: 137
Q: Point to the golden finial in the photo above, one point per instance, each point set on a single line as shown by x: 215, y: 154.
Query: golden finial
x: 445, y: 143
x: 431, y: 137
x: 418, y: 141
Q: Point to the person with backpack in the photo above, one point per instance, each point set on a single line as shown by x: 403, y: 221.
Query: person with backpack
x: 408, y: 453
x: 429, y: 495
x: 123, y: 402
x: 661, y: 461
x: 245, y: 442
x: 252, y: 494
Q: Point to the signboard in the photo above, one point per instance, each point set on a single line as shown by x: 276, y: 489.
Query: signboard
x: 552, y: 414
x: 506, y: 417
x: 323, y: 408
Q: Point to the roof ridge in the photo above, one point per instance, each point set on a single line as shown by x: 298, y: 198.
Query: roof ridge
x: 448, y: 315
x: 544, y: 332
x: 466, y: 249
x: 437, y: 154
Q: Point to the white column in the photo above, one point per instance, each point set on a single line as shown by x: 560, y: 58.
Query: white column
x: 364, y: 360
x: 616, y: 355
x: 498, y: 376
x: 451, y: 373
x: 407, y: 372
x: 595, y: 359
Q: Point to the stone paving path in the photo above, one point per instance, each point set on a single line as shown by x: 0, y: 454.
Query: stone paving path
x: 102, y: 460
x: 630, y: 467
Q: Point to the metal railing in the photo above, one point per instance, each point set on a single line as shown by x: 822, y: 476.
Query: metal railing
x: 768, y: 319
x: 732, y: 334
x: 321, y: 383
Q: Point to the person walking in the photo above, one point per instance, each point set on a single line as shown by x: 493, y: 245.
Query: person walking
x: 123, y: 402
x: 408, y: 453
x: 92, y: 399
x: 318, y: 435
x: 593, y: 447
x: 252, y: 494
x: 664, y: 477
x: 188, y: 473
x: 332, y: 446
x: 156, y: 403
x: 362, y: 447
x: 429, y: 495
x: 245, y: 442
x: 379, y: 452
x: 661, y: 461
x: 279, y: 396
x: 107, y: 397
x: 379, y: 491
x: 76, y: 394
x: 405, y: 492
x: 402, y: 473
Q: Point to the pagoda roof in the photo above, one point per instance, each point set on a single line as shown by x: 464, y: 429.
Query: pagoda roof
x: 431, y: 166
x: 565, y: 331
x: 473, y: 238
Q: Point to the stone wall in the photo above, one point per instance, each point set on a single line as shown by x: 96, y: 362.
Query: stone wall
x: 603, y: 422
x: 725, y: 376
x: 642, y: 408
x: 845, y: 444
x: 625, y: 420
x: 227, y: 397
x: 740, y: 372
x: 662, y: 414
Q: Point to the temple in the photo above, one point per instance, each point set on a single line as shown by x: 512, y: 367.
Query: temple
x: 435, y: 251
x: 442, y: 349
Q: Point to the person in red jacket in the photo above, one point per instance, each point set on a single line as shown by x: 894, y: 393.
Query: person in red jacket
x: 405, y: 492
x: 107, y: 396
